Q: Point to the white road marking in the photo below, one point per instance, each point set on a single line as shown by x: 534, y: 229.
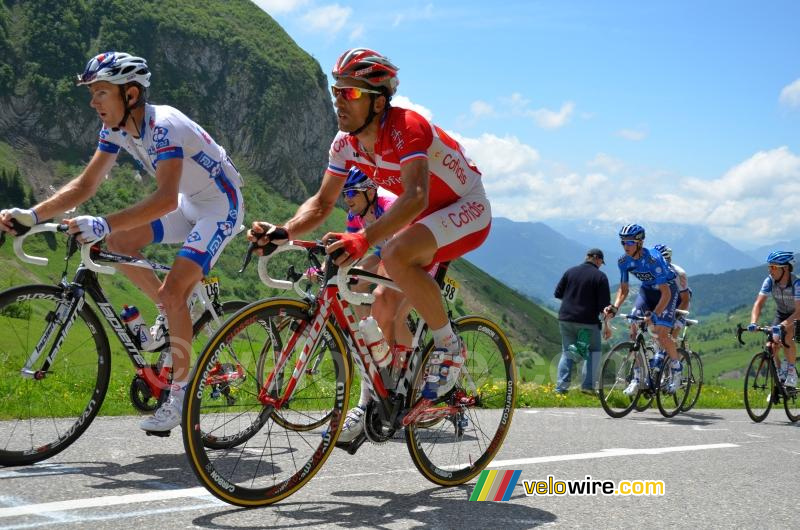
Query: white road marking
x: 99, y: 502
x: 608, y: 453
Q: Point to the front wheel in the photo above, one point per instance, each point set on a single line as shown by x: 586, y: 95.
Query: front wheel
x: 41, y: 416
x: 759, y: 387
x: 458, y: 437
x: 621, y: 365
x: 236, y: 446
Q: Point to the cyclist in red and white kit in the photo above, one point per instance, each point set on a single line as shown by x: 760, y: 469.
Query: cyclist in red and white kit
x: 441, y: 211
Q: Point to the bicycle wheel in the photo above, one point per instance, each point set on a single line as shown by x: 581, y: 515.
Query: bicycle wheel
x: 42, y: 416
x: 615, y: 376
x: 478, y: 411
x: 670, y: 403
x: 696, y: 381
x: 645, y: 399
x: 791, y: 403
x: 759, y: 386
x: 235, y: 447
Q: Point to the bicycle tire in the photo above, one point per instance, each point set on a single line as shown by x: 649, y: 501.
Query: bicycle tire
x: 669, y: 404
x: 697, y: 380
x: 791, y: 403
x: 260, y: 470
x: 488, y: 375
x: 48, y: 414
x: 759, y: 386
x: 616, y: 374
x: 645, y: 399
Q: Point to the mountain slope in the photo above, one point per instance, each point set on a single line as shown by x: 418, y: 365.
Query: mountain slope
x: 228, y: 65
x: 530, y: 257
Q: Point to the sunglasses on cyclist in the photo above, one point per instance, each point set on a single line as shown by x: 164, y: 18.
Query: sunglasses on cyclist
x: 628, y: 242
x: 351, y: 93
x: 352, y: 192
x: 775, y: 267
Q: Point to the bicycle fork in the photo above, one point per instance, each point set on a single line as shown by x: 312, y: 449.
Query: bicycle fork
x: 62, y: 318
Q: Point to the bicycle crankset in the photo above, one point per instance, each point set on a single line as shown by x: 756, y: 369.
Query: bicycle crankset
x: 374, y: 430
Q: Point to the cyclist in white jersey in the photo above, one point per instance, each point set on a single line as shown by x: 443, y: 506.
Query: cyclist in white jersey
x: 198, y: 201
x: 682, y: 281
x: 784, y: 287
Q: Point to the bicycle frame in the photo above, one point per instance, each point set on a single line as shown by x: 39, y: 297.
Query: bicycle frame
x: 335, y: 301
x: 85, y: 282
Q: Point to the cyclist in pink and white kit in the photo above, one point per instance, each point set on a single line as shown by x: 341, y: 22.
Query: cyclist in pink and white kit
x: 441, y: 211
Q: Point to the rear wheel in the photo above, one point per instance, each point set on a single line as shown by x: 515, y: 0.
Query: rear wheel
x: 697, y: 380
x: 616, y: 374
x: 239, y: 448
x: 671, y: 398
x: 759, y: 387
x: 43, y: 414
x: 460, y: 435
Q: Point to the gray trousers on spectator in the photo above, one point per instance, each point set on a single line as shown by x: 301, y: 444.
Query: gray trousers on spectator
x: 569, y: 335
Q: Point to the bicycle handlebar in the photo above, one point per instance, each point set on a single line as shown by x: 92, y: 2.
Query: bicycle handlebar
x: 38, y: 229
x: 763, y: 329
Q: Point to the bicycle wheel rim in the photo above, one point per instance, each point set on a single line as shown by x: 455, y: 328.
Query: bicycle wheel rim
x: 44, y: 416
x: 273, y: 462
x: 697, y: 381
x: 670, y: 403
x: 616, y: 374
x: 791, y: 403
x: 454, y: 451
x: 758, y: 388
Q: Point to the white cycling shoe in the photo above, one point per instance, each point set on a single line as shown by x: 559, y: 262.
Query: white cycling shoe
x: 632, y: 388
x: 353, y: 425
x: 167, y: 416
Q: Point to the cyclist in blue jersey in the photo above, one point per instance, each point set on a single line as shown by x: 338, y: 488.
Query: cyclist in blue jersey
x: 658, y: 297
x: 197, y: 202
x: 784, y: 286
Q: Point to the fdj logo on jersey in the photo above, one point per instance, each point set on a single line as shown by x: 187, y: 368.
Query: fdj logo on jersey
x: 207, y: 163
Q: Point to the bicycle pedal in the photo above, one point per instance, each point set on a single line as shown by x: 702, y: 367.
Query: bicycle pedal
x: 160, y: 434
x: 352, y: 446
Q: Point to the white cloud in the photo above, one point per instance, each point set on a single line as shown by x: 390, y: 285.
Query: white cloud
x: 481, y: 108
x: 279, y: 6
x: 404, y: 102
x: 416, y: 14
x: 548, y: 119
x: 632, y: 134
x: 357, y: 32
x: 790, y: 95
x: 330, y: 18
x: 605, y: 162
x: 753, y: 202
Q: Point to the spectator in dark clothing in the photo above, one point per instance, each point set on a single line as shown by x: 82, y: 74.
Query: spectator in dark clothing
x: 584, y: 293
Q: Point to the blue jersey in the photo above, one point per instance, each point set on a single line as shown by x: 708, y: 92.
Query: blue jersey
x: 785, y: 297
x: 650, y: 269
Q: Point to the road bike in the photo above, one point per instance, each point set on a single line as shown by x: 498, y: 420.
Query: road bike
x: 55, y: 357
x: 762, y: 385
x: 696, y: 364
x: 632, y: 359
x: 296, y: 356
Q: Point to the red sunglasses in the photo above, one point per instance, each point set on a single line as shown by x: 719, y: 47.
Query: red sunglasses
x: 351, y: 93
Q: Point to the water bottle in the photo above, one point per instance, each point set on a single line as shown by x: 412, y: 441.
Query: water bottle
x: 657, y: 361
x: 377, y: 345
x: 130, y: 315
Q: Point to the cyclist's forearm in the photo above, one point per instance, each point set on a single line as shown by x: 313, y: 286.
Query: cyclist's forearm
x: 404, y: 210
x: 309, y: 216
x: 72, y: 195
x: 143, y: 212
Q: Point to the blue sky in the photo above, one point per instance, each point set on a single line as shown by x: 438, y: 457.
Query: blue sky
x: 623, y: 111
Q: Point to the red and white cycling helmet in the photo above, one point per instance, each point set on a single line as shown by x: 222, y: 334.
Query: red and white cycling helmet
x: 368, y: 66
x: 118, y: 68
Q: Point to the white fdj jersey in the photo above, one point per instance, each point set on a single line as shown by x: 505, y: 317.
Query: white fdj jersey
x: 681, y: 279
x: 210, y: 207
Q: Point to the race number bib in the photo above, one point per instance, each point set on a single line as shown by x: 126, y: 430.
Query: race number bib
x: 450, y: 289
x: 211, y: 285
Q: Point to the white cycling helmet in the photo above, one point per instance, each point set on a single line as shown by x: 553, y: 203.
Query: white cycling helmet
x: 118, y: 68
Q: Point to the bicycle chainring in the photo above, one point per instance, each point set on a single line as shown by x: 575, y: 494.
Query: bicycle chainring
x: 141, y: 397
x: 373, y: 429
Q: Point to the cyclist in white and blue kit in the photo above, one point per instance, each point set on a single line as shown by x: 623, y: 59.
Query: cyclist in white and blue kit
x: 784, y: 286
x: 198, y: 201
x: 658, y: 297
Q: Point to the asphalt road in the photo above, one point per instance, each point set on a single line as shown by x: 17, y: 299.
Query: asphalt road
x: 719, y: 470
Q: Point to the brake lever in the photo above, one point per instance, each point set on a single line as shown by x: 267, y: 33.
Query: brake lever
x: 247, y: 256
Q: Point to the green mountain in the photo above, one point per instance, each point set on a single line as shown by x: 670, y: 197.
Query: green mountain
x: 234, y: 70
x: 227, y: 64
x: 724, y: 292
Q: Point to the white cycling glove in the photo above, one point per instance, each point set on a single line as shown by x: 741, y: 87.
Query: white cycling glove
x: 90, y: 228
x: 25, y: 217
